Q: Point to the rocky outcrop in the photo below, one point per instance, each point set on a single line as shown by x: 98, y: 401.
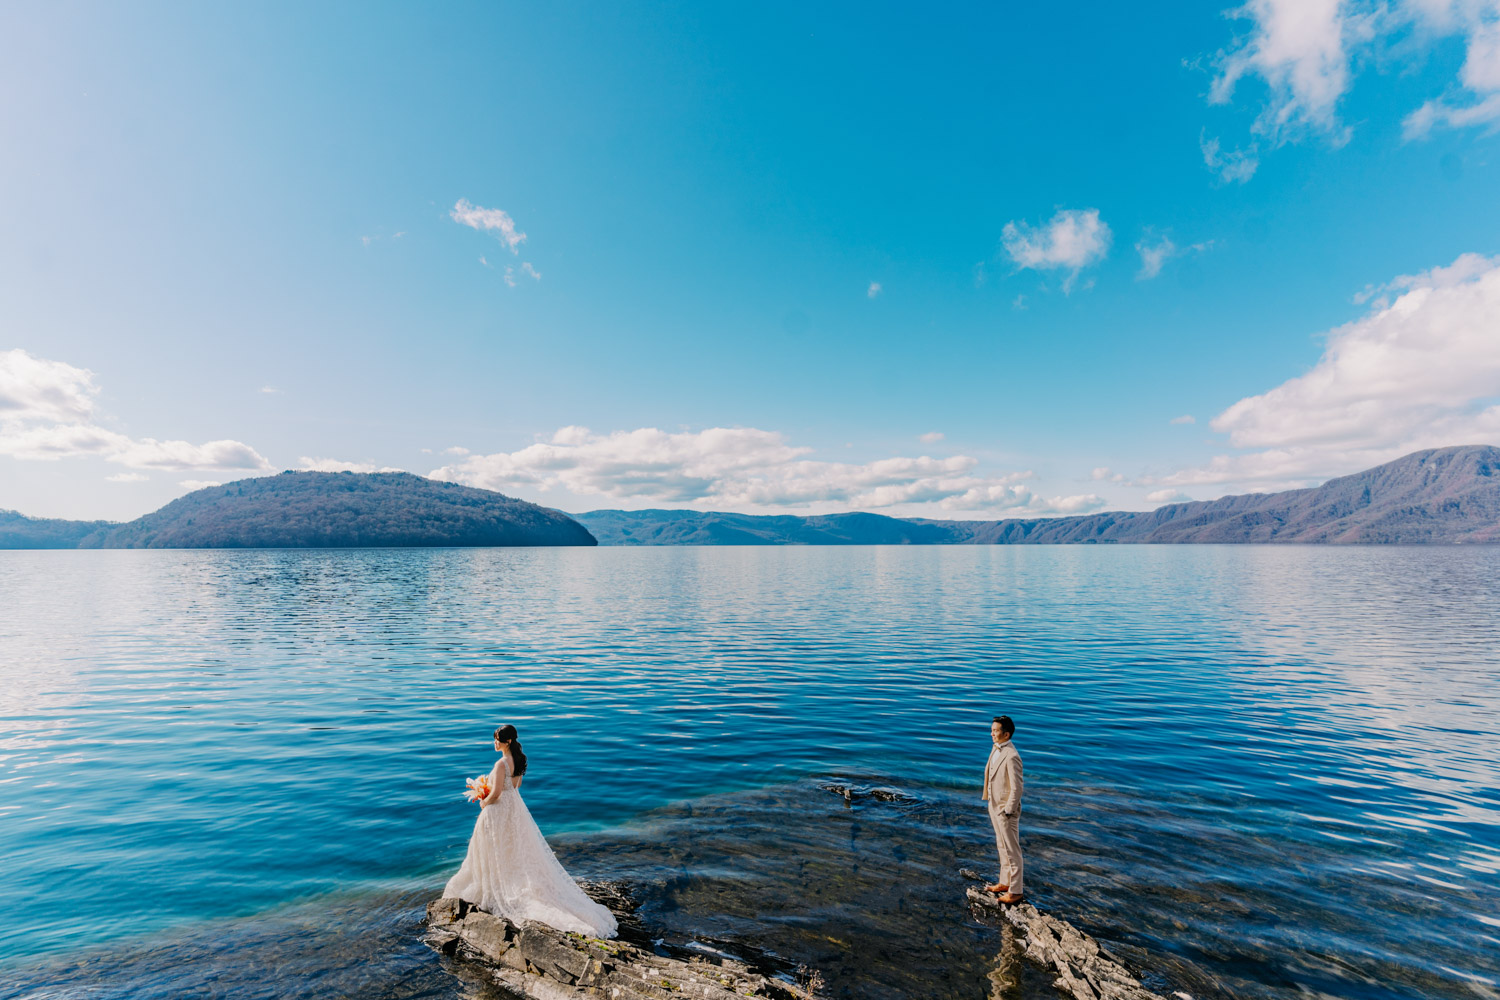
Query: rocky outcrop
x: 547, y: 964
x: 850, y: 792
x: 1084, y: 970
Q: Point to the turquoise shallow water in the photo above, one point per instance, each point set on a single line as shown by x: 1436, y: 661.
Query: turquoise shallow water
x: 1278, y: 764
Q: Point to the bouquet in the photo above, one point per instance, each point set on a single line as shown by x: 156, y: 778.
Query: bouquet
x: 479, y: 788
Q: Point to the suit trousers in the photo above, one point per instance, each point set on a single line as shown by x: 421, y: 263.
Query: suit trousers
x: 1008, y: 842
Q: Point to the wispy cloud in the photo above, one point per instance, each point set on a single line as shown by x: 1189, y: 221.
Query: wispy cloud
x: 931, y: 437
x: 1071, y: 240
x: 1421, y: 369
x: 873, y: 290
x: 1167, y: 496
x: 199, y: 484
x: 747, y: 469
x: 48, y: 412
x: 491, y: 220
x: 1299, y: 48
x: 126, y: 477
x: 530, y: 271
x: 1155, y: 250
x: 309, y: 464
x: 270, y: 390
x: 1232, y: 166
x: 1186, y: 418
x: 1307, y: 53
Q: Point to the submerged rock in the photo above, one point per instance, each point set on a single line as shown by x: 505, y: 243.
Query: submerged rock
x: 1084, y: 969
x: 547, y: 964
x: 851, y: 792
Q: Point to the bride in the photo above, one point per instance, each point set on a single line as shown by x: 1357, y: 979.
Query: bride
x: 510, y: 871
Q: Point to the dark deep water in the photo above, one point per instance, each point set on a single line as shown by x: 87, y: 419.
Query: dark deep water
x: 1253, y: 771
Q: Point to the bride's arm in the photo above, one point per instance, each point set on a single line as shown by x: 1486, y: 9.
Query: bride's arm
x: 498, y: 781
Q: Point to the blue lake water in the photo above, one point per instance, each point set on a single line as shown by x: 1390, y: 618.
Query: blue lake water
x: 1272, y: 768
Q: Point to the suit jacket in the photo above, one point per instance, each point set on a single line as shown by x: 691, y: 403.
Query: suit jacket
x: 1002, y: 779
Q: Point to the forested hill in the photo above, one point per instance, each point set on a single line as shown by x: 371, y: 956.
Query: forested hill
x: 343, y: 510
x: 696, y: 527
x: 1439, y: 496
x: 328, y: 510
x: 20, y: 532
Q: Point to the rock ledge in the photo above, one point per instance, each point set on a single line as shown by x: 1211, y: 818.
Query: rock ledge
x: 543, y: 963
x: 1084, y: 969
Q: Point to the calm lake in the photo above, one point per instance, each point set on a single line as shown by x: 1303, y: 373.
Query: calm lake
x: 1253, y: 771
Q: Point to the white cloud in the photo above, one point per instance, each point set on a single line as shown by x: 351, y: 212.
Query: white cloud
x: 35, y: 389
x: 270, y: 390
x: 1156, y: 250
x: 1306, y: 52
x: 1105, y: 474
x: 1084, y: 503
x: 1153, y: 256
x: 1235, y: 165
x: 489, y: 220
x: 309, y: 464
x: 510, y: 276
x: 126, y: 477
x: 455, y: 450
x: 1071, y: 240
x: 744, y: 469
x: 1476, y: 101
x: 873, y: 290
x: 527, y: 269
x: 1422, y: 121
x: 149, y: 453
x: 1421, y: 369
x: 198, y: 484
x: 1298, y: 48
x: 48, y: 413
x: 1167, y: 496
x: 1186, y: 418
x: 931, y: 437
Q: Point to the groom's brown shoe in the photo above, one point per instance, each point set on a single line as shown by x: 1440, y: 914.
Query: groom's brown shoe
x: 997, y: 888
x: 1011, y: 897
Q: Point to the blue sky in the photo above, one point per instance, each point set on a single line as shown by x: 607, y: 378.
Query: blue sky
x: 978, y: 261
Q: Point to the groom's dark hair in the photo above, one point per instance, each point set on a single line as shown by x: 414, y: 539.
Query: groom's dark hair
x: 1006, y: 726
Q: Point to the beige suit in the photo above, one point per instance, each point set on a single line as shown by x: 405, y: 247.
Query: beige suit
x: 1002, y: 790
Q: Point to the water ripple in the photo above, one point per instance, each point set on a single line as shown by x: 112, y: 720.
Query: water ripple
x: 1276, y: 764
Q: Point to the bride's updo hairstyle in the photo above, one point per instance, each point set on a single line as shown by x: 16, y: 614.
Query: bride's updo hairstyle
x: 507, y: 734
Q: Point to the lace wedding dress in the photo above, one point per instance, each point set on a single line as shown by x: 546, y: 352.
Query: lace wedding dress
x: 511, y: 872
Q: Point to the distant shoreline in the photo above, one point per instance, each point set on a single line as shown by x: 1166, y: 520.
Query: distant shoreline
x: 1441, y: 496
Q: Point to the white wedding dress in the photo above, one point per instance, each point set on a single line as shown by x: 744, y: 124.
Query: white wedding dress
x: 511, y: 872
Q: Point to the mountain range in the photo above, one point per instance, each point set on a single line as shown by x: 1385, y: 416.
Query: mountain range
x: 1438, y: 496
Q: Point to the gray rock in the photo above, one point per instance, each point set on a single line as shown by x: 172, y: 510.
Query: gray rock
x: 551, y: 956
x: 441, y: 939
x: 1084, y: 970
x: 544, y: 963
x: 486, y: 934
x: 851, y: 792
x: 445, y: 911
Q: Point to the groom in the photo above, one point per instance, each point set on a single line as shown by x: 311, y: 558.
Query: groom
x: 1002, y: 790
